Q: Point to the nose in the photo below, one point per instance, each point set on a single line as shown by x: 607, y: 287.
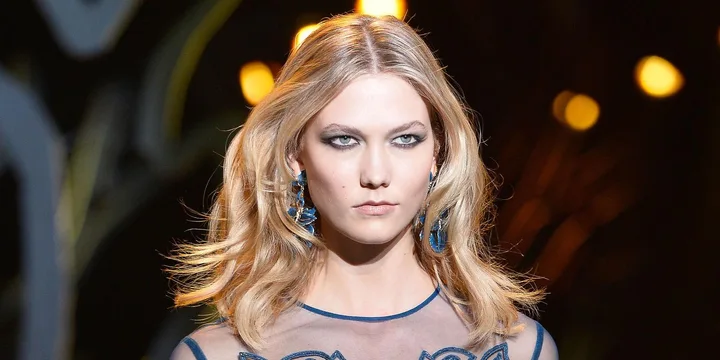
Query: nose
x: 375, y: 168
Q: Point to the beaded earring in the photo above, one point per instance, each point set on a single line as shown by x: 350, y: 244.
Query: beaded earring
x: 303, y: 215
x: 438, y: 232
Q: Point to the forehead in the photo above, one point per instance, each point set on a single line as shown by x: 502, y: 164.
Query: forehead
x: 375, y: 101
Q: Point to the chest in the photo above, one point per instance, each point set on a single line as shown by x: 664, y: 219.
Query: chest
x: 347, y: 340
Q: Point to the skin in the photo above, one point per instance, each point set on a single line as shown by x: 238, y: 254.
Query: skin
x: 372, y: 143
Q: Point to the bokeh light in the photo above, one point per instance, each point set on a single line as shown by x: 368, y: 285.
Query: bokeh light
x: 559, y: 104
x: 396, y: 8
x: 581, y: 112
x: 658, y: 77
x: 256, y: 81
x: 302, y: 34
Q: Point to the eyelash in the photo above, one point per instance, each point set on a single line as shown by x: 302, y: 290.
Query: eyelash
x: 417, y: 140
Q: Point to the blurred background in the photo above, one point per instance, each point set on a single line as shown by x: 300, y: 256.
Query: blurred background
x: 600, y: 118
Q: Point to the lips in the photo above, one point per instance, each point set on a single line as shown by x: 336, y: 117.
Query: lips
x: 375, y: 208
x: 375, y: 203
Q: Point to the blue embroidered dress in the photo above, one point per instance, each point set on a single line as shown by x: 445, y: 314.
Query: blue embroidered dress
x: 429, y: 331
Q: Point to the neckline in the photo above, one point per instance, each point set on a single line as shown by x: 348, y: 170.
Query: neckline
x: 372, y: 318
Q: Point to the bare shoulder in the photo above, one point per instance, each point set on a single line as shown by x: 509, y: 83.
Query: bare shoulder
x: 216, y: 341
x: 534, y: 342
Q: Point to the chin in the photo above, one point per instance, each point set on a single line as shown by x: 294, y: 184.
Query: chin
x: 374, y: 240
x: 375, y: 235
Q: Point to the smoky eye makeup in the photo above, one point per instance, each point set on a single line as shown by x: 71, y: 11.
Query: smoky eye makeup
x: 408, y: 140
x: 341, y: 142
x: 346, y: 137
x: 344, y: 142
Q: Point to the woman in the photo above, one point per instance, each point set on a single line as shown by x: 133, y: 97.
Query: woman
x: 350, y: 222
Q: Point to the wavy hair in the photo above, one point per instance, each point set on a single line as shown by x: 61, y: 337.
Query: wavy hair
x: 254, y: 263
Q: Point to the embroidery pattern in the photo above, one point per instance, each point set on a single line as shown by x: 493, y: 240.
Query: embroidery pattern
x: 497, y: 352
x: 304, y: 355
x: 448, y: 353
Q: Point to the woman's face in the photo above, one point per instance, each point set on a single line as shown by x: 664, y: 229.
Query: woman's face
x: 368, y: 155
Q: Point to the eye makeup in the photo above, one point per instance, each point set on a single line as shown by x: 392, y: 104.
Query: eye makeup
x: 341, y: 142
x: 345, y: 137
x: 346, y: 142
x: 409, y: 140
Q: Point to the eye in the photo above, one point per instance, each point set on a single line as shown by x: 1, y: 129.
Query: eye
x: 407, y: 139
x: 343, y: 140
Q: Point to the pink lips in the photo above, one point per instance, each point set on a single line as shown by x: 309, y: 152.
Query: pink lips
x: 375, y: 208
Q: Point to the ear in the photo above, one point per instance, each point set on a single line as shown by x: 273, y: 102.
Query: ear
x: 296, y: 164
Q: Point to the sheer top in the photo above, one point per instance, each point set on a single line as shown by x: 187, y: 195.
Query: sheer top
x: 431, y: 330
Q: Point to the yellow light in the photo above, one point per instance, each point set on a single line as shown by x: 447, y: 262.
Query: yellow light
x: 560, y: 103
x: 302, y: 34
x: 395, y: 8
x: 581, y: 112
x: 256, y: 81
x: 658, y: 77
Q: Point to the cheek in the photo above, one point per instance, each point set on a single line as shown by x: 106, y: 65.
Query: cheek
x: 414, y: 173
x: 329, y: 184
x: 415, y: 184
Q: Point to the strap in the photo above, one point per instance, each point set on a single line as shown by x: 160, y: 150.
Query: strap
x: 195, y: 348
x: 539, y: 341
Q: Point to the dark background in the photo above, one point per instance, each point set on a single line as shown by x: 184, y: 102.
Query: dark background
x: 636, y: 193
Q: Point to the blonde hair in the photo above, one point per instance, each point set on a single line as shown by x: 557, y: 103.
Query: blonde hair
x: 254, y: 263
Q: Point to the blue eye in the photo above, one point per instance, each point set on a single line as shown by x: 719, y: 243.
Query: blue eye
x: 406, y: 140
x: 343, y: 141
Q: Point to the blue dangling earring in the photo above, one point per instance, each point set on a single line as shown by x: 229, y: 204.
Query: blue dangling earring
x: 303, y: 215
x: 438, y: 232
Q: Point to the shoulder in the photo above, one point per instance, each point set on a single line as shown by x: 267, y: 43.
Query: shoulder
x: 533, y: 342
x: 215, y: 341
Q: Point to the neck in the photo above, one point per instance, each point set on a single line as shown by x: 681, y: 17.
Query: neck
x: 369, y: 280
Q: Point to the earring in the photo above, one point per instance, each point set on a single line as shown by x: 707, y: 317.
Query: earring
x: 303, y: 215
x: 438, y: 232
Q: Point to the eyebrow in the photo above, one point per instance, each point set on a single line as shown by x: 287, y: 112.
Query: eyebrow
x: 357, y: 132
